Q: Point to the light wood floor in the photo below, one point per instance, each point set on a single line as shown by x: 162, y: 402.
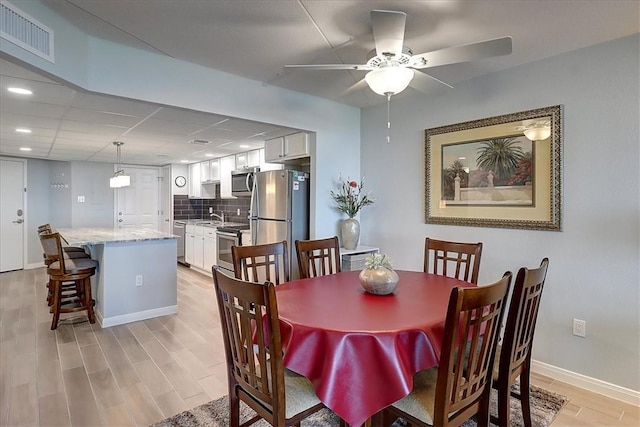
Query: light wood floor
x: 143, y: 372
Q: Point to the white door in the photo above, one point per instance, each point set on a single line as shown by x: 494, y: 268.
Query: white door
x: 138, y: 205
x: 166, y: 214
x: 11, y: 215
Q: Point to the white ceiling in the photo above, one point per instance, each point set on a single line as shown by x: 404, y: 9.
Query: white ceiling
x: 255, y: 39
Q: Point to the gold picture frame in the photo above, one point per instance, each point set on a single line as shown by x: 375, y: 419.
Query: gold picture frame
x: 487, y: 173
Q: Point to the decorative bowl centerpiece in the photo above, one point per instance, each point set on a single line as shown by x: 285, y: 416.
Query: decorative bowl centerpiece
x: 378, y: 277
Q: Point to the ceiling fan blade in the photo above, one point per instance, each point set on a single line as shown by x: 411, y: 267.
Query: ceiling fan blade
x: 388, y: 31
x: 359, y: 85
x: 464, y: 53
x: 424, y: 82
x: 332, y: 67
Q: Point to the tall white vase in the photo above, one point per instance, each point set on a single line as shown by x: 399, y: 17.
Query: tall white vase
x: 350, y: 229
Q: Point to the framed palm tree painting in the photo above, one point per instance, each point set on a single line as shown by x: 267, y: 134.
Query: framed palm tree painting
x: 502, y: 171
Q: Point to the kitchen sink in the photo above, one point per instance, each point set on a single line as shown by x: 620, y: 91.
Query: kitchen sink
x: 210, y: 223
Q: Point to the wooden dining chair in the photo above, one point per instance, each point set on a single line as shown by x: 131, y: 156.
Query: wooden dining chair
x: 318, y: 257
x: 453, y: 259
x: 62, y: 271
x: 514, y: 355
x: 255, y: 371
x: 261, y: 263
x: 460, y: 386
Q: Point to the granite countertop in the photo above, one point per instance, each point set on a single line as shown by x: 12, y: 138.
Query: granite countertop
x: 96, y: 235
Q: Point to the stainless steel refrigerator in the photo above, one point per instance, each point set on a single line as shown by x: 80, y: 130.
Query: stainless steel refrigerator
x: 280, y: 210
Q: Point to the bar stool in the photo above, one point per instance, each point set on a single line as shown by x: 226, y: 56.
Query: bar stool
x: 46, y: 228
x: 69, y: 252
x: 63, y: 270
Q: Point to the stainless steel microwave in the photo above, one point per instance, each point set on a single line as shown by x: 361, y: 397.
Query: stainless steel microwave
x: 242, y: 181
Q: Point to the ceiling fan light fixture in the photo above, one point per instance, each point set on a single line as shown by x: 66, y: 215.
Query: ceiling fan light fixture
x: 537, y: 132
x: 389, y: 80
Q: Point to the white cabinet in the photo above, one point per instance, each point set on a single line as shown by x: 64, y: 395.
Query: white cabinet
x: 210, y: 171
x: 227, y: 165
x: 205, y: 171
x: 264, y: 166
x: 194, y: 180
x: 245, y: 240
x: 196, y: 189
x: 248, y: 159
x: 209, y: 248
x: 253, y: 158
x: 193, y: 244
x: 242, y: 161
x: 288, y: 147
x: 200, y: 247
x: 214, y: 170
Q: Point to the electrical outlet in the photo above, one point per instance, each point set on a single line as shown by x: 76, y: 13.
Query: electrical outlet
x: 579, y: 328
x: 210, y: 210
x: 139, y: 280
x: 238, y: 212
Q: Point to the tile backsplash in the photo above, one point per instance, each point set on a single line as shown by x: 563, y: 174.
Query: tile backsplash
x: 186, y: 208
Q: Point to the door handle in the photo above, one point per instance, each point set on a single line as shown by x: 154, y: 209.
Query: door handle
x: 18, y: 221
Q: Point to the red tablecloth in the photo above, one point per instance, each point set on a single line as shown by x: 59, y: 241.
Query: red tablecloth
x: 359, y: 350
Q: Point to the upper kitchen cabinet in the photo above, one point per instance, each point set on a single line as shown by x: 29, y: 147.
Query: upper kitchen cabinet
x: 227, y: 165
x: 196, y: 189
x: 264, y: 166
x: 210, y: 171
x: 248, y: 159
x: 289, y: 147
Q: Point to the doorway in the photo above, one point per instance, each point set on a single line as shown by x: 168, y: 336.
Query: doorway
x: 12, y: 216
x: 137, y: 206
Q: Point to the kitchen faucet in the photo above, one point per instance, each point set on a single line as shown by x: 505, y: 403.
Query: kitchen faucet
x: 221, y: 218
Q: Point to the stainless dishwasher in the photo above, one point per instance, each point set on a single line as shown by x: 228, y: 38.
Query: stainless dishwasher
x: 179, y: 228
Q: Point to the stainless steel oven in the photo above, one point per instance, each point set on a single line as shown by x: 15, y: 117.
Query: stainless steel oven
x: 225, y: 239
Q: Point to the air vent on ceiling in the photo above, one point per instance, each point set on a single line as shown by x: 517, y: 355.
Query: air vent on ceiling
x: 22, y: 30
x: 199, y: 142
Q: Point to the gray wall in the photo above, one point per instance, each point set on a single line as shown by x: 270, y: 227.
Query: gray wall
x: 594, y: 262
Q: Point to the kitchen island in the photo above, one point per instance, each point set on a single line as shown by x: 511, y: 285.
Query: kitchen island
x: 137, y: 276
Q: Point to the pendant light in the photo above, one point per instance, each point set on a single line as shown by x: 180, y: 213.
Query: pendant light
x: 119, y: 179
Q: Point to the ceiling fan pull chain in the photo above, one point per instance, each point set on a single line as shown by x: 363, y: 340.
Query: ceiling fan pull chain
x: 388, y: 117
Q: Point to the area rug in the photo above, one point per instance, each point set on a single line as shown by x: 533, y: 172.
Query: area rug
x: 545, y: 405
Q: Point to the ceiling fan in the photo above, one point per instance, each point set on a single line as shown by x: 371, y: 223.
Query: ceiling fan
x: 391, y: 65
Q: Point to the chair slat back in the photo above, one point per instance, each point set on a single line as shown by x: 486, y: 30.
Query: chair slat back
x: 521, y: 319
x: 453, y: 259
x: 262, y: 263
x: 52, y: 247
x: 251, y: 332
x: 472, y: 328
x: 318, y: 257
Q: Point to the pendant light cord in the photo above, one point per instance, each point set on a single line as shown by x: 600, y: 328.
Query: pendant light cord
x: 388, y: 116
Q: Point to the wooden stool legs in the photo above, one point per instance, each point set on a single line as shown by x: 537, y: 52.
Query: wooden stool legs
x: 68, y: 303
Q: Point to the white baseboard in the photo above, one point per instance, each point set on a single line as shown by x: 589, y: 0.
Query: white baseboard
x: 134, y: 317
x: 592, y: 384
x: 35, y: 265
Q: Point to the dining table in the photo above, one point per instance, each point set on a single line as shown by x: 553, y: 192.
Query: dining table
x: 359, y: 350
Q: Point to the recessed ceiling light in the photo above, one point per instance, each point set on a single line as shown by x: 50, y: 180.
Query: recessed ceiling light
x: 209, y: 155
x: 244, y: 146
x: 23, y: 130
x: 184, y: 161
x: 25, y: 149
x: 20, y: 91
